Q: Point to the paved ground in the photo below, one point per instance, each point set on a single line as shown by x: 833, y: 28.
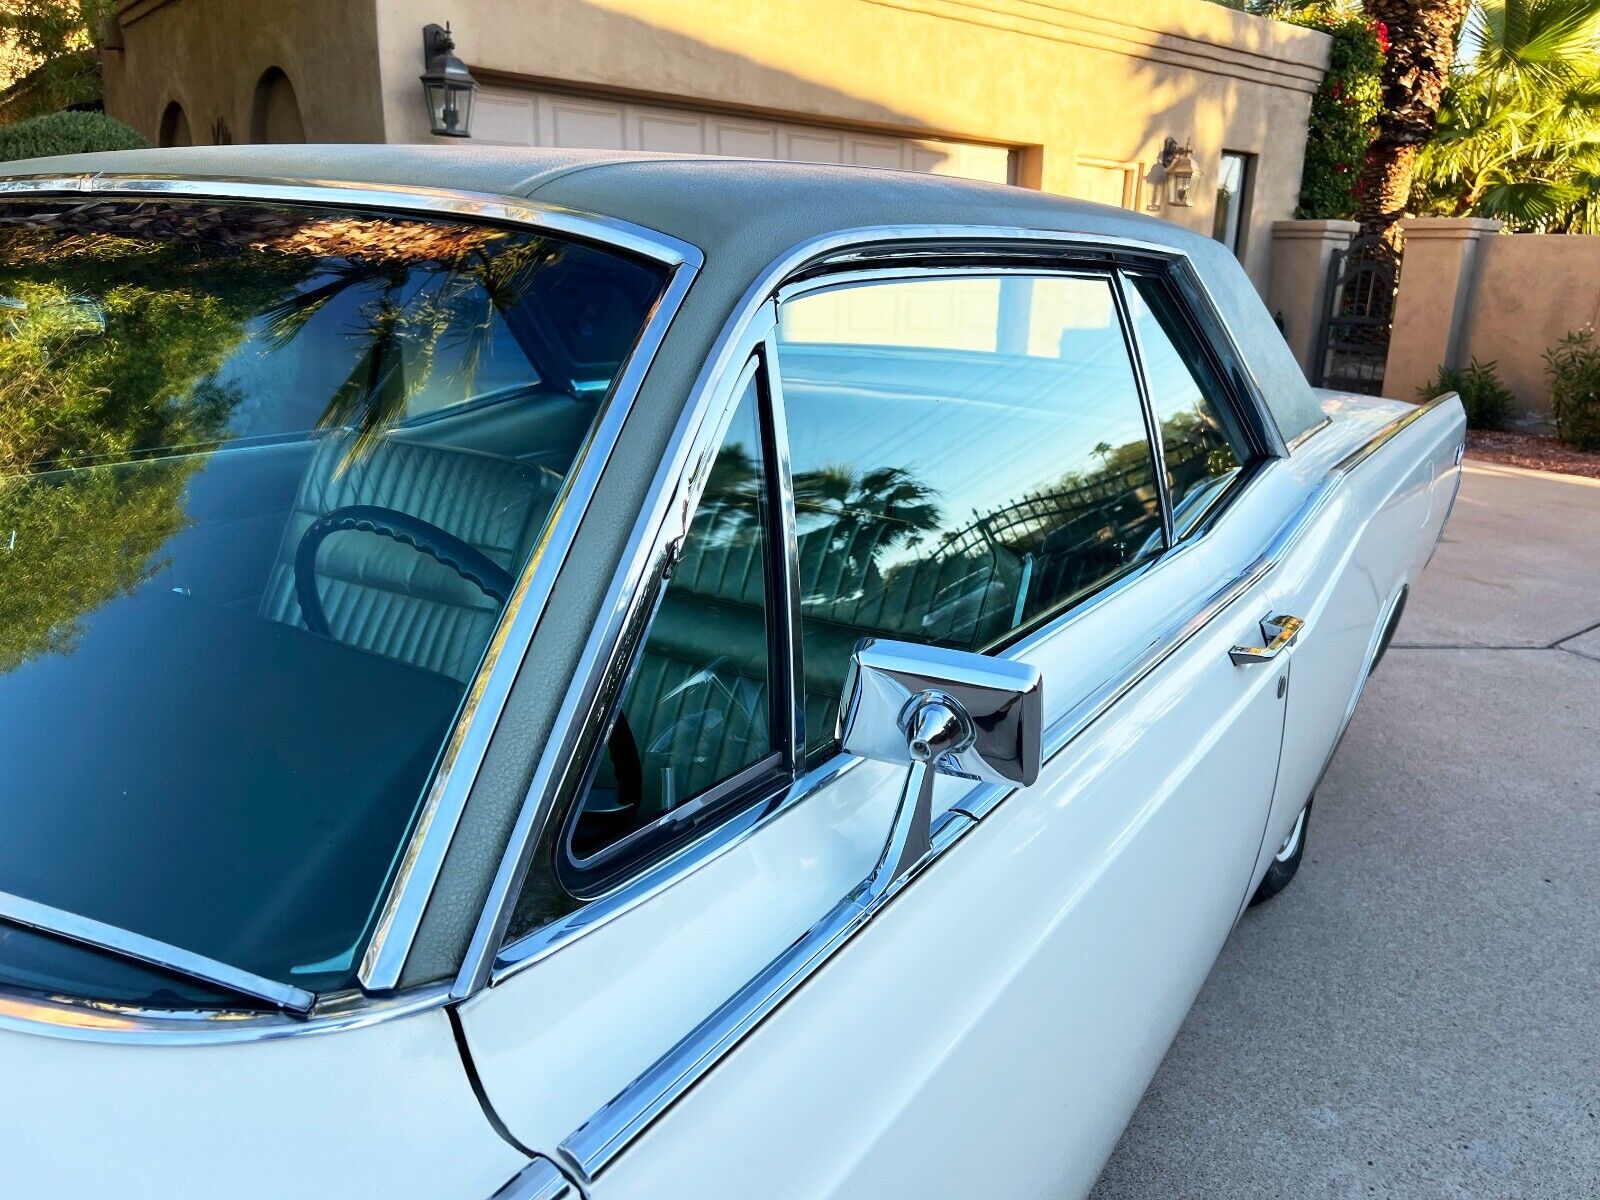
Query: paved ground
x: 1419, y: 1014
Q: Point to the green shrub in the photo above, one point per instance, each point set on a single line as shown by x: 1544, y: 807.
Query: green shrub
x: 1344, y: 110
x: 66, y: 133
x: 1574, y: 369
x: 1487, y: 400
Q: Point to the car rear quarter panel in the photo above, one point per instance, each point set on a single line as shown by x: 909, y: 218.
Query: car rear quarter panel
x: 1370, y: 541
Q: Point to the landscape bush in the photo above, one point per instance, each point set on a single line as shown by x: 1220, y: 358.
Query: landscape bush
x: 1573, y: 365
x: 66, y: 133
x: 1485, y: 397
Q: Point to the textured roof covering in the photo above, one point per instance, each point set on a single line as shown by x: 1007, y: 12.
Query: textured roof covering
x: 741, y: 213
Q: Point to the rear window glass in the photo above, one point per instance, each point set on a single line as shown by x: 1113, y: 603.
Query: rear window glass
x: 266, y: 476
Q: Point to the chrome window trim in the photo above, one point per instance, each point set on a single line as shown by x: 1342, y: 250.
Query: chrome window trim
x: 769, y: 767
x: 86, y: 931
x: 658, y: 531
x: 1305, y: 435
x: 441, y: 810
x: 489, y: 959
x: 96, y: 1021
x: 600, y: 1139
x: 1152, y: 419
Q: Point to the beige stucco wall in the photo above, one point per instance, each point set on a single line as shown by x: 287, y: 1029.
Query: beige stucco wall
x: 1302, y: 252
x: 1059, y: 79
x: 1062, y: 82
x: 1468, y: 290
x: 209, y: 54
x: 1531, y: 290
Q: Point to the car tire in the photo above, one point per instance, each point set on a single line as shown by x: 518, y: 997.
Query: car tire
x: 1286, y: 862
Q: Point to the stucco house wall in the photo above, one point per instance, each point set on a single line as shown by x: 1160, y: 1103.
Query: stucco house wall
x: 208, y: 56
x: 1469, y: 290
x: 1077, y: 91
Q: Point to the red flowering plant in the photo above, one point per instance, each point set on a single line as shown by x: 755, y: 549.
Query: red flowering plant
x: 1343, y: 112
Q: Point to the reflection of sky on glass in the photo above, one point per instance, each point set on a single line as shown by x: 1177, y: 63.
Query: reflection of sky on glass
x: 1173, y: 388
x: 983, y: 430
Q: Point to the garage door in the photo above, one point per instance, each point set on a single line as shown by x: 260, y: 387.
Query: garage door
x: 525, y: 117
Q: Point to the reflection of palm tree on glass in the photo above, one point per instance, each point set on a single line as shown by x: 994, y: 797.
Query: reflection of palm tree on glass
x: 864, y: 515
x: 404, y: 327
x: 116, y: 320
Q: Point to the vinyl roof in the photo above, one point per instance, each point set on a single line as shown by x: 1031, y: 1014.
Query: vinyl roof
x: 703, y: 200
x: 743, y: 214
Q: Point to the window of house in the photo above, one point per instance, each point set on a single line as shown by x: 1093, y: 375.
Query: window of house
x: 697, y: 713
x: 1203, y: 445
x: 969, y: 457
x: 1234, y: 179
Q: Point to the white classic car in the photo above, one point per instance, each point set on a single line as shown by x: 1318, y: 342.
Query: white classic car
x: 549, y: 674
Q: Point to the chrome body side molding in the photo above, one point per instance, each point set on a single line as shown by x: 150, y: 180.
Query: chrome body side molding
x: 539, y: 1180
x: 596, y: 1143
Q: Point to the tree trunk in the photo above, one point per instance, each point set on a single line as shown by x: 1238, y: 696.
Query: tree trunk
x: 1422, y: 45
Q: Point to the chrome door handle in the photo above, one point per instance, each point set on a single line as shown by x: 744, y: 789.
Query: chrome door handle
x: 1278, y: 631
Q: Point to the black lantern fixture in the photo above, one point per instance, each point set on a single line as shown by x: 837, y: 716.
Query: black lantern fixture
x: 1174, y: 175
x: 447, y: 85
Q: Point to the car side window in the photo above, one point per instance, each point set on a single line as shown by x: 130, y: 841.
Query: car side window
x: 697, y: 710
x: 1202, y: 442
x: 969, y: 457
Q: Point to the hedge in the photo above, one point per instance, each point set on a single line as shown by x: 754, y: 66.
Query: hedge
x: 66, y: 133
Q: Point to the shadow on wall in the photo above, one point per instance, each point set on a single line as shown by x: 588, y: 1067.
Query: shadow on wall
x: 684, y: 68
x: 1047, y: 116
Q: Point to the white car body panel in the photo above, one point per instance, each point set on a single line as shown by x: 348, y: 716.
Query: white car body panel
x: 530, y: 1035
x: 1091, y: 904
x: 385, y: 1110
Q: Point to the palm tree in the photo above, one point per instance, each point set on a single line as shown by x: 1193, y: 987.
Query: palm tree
x: 1416, y: 70
x: 1519, y: 134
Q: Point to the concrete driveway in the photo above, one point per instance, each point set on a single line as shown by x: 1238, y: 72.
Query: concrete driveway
x: 1418, y: 1015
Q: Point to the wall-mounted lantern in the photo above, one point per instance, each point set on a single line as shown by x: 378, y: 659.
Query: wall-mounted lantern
x: 447, y: 85
x: 1173, y: 176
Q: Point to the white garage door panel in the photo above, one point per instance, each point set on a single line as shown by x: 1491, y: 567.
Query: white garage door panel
x: 524, y: 117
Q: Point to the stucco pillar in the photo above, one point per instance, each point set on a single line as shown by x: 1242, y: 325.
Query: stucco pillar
x: 1301, y: 251
x: 1437, y: 272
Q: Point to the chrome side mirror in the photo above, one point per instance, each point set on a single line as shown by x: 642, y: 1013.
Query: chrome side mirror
x: 938, y: 712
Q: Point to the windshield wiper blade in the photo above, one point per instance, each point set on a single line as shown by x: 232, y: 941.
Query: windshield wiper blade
x: 30, y: 914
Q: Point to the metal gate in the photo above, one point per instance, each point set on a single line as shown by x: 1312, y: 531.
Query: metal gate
x: 1357, y: 314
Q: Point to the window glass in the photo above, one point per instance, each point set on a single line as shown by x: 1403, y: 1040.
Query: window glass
x: 1201, y: 440
x: 697, y: 709
x: 969, y: 456
x: 243, y: 587
x: 1233, y: 197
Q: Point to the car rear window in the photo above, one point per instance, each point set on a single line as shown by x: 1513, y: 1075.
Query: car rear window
x: 266, y: 473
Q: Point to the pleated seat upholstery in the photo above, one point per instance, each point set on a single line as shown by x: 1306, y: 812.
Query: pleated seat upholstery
x: 385, y: 597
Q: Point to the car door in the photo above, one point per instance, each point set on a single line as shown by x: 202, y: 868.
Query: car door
x: 969, y: 459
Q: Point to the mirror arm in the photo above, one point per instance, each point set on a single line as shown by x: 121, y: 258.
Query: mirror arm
x: 935, y: 711
x: 911, y: 838
x: 935, y: 724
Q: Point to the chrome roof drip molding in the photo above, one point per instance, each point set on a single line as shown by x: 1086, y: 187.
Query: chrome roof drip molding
x: 423, y: 856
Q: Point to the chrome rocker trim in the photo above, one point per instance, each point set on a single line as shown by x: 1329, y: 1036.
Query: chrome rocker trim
x: 442, y: 808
